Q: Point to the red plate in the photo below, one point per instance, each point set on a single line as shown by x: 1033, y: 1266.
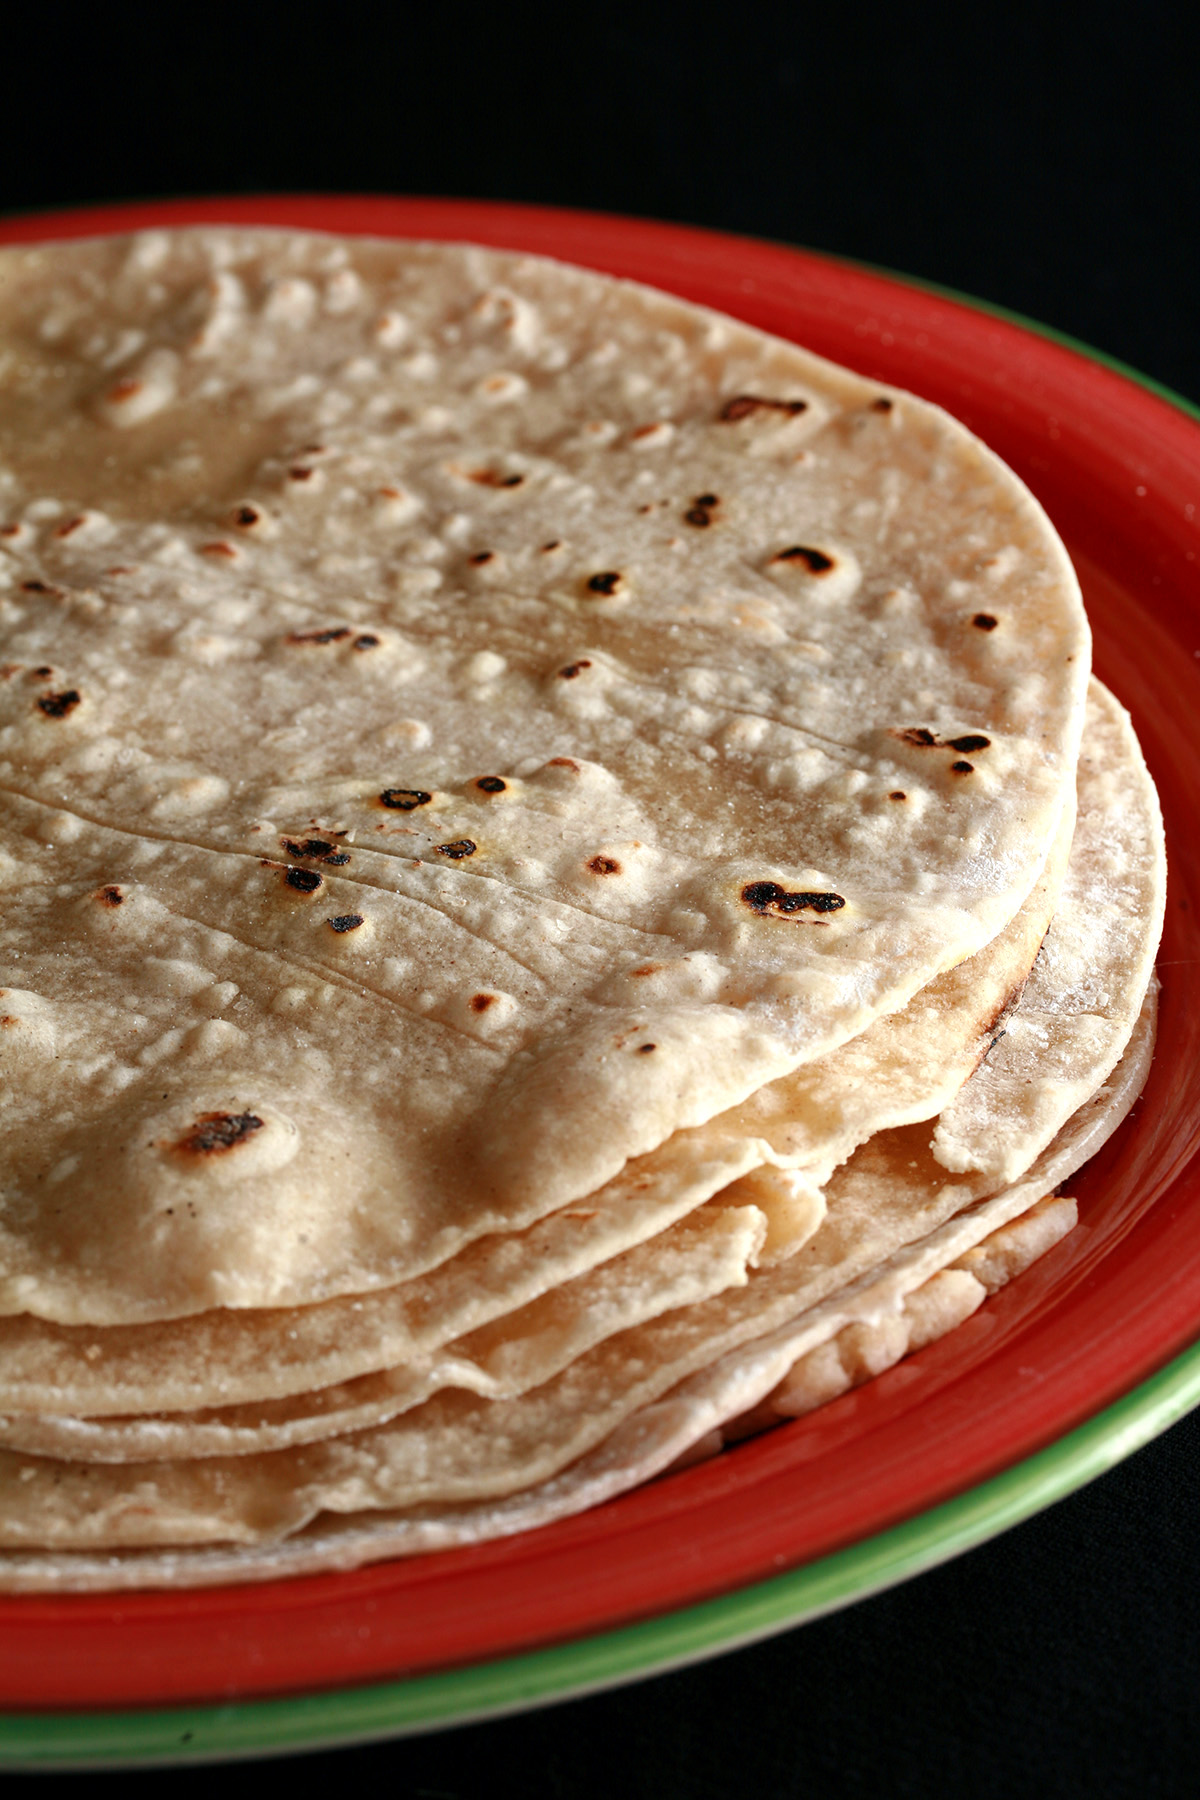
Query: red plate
x: 1118, y: 468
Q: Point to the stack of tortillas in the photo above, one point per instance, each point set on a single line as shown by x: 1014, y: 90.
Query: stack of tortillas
x: 565, y: 887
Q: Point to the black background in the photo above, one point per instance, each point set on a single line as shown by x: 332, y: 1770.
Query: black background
x: 1042, y: 157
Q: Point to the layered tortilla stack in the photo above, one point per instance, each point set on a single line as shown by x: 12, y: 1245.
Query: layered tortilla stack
x: 553, y: 904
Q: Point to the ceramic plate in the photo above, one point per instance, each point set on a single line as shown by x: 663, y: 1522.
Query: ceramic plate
x: 1055, y: 1379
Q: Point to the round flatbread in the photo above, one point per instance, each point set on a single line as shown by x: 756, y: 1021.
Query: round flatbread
x: 465, y: 721
x: 653, y: 1438
x: 781, y: 1145
x: 893, y: 1212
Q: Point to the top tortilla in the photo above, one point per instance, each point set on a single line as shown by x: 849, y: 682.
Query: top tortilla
x: 451, y: 715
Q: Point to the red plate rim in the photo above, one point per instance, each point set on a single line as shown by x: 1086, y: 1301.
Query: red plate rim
x: 1116, y: 465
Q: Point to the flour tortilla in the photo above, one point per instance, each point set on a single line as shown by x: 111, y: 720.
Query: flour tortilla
x: 785, y: 1141
x: 701, y: 1256
x: 282, y: 509
x: 1110, y: 922
x: 893, y: 1220
x: 651, y: 1440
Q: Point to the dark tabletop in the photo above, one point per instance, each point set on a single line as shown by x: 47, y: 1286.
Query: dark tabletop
x: 1042, y: 157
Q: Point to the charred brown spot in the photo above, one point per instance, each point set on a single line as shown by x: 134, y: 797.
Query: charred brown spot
x: 71, y: 525
x: 346, y: 922
x: 768, y: 897
x: 645, y: 1049
x: 481, y: 1002
x: 647, y: 969
x: 491, y: 784
x: 743, y: 405
x: 563, y: 762
x: 10, y: 531
x: 606, y: 582
x: 42, y: 670
x: 110, y: 895
x: 320, y: 848
x: 246, y: 516
x: 124, y: 390
x: 57, y: 706
x: 575, y: 668
x: 815, y: 561
x: 604, y: 865
x: 993, y: 1030
x: 329, y: 634
x: 404, y: 799
x: 897, y: 794
x: 480, y: 557
x: 554, y: 544
x: 366, y: 640
x: 962, y: 768
x: 218, y: 549
x: 882, y: 405
x: 217, y: 1131
x: 493, y: 478
x: 457, y: 850
x: 985, y: 621
x: 921, y: 738
x: 305, y: 881
x: 36, y: 587
x: 700, y: 512
x: 299, y: 473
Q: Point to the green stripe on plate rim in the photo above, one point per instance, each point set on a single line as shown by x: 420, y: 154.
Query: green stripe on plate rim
x: 122, y: 1739
x: 993, y: 310
x: 424, y: 1703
